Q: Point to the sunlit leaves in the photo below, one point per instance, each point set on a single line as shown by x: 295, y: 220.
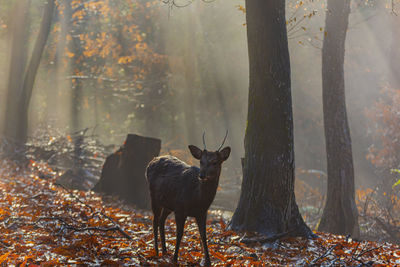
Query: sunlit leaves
x: 32, y: 235
x: 386, y: 124
x: 398, y: 182
x: 107, y: 32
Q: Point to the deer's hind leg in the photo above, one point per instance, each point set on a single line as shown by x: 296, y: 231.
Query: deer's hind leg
x: 157, y: 212
x: 164, y: 214
x: 180, y: 219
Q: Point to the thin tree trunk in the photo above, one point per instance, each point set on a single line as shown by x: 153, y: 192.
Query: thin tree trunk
x: 58, y: 70
x: 30, y: 75
x: 189, y: 102
x: 340, y: 215
x: 395, y: 52
x: 76, y: 93
x: 267, y: 202
x: 19, y: 48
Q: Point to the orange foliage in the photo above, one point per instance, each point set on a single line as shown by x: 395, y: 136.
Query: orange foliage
x: 108, y: 35
x: 386, y: 123
x: 41, y: 226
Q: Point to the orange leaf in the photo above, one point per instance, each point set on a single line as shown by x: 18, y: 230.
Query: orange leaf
x: 4, y: 257
x: 218, y: 255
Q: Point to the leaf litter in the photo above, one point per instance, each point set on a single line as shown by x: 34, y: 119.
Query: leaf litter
x: 45, y: 224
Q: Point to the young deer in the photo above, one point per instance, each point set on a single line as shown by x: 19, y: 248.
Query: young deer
x: 188, y: 191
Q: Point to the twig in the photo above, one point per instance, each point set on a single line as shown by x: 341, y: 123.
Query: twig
x: 4, y: 244
x: 357, y: 258
x: 355, y: 250
x: 329, y: 251
x: 368, y: 250
x: 369, y: 264
x: 116, y: 225
x: 86, y: 228
x: 37, y: 195
x: 388, y: 228
x: 265, y: 239
x: 333, y: 261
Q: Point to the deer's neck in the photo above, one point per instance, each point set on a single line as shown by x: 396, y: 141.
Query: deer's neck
x: 207, y: 191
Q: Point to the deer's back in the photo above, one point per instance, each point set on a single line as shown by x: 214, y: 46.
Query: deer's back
x: 172, y: 182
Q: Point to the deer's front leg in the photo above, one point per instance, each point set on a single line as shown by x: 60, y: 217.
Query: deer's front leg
x: 180, y: 223
x: 201, y: 223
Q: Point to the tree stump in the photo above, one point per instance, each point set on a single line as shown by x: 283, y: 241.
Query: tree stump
x: 123, y: 172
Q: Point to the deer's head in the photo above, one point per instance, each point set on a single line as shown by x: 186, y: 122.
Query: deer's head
x: 210, y: 162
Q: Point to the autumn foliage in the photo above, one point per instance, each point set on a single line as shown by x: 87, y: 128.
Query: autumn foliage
x: 386, y: 127
x: 44, y: 224
x: 111, y: 39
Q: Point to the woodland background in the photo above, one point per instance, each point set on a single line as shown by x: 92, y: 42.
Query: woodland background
x: 172, y: 71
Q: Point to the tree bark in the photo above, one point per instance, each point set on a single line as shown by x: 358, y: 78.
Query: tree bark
x: 340, y: 214
x: 395, y: 52
x: 31, y: 71
x: 75, y: 28
x: 190, y: 65
x: 267, y: 202
x: 19, y: 50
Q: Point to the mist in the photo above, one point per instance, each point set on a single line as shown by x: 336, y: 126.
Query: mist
x: 197, y: 81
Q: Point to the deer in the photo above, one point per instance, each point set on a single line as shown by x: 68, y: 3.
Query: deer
x: 186, y: 190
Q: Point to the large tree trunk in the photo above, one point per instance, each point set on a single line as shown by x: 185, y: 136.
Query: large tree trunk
x: 31, y: 71
x: 18, y: 58
x: 340, y: 214
x: 267, y: 202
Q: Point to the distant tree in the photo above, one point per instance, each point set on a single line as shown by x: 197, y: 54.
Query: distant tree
x: 267, y: 202
x: 22, y: 76
x: 394, y: 50
x: 340, y: 215
x: 19, y: 19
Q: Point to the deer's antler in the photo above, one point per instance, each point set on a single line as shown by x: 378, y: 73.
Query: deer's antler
x: 223, y: 142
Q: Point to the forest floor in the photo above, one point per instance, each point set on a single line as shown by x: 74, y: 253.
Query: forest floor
x: 44, y: 224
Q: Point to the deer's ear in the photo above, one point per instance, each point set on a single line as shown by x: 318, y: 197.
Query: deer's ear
x: 196, y: 152
x: 224, y: 153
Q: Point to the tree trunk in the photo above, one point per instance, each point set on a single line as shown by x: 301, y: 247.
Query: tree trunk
x: 19, y: 48
x: 267, y: 202
x: 58, y: 70
x: 30, y: 74
x: 189, y: 103
x: 395, y: 52
x: 77, y: 62
x: 340, y: 214
x: 123, y: 172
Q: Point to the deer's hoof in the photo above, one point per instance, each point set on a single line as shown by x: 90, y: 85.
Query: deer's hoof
x: 175, y: 259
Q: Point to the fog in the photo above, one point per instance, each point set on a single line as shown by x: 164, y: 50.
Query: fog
x: 205, y: 84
